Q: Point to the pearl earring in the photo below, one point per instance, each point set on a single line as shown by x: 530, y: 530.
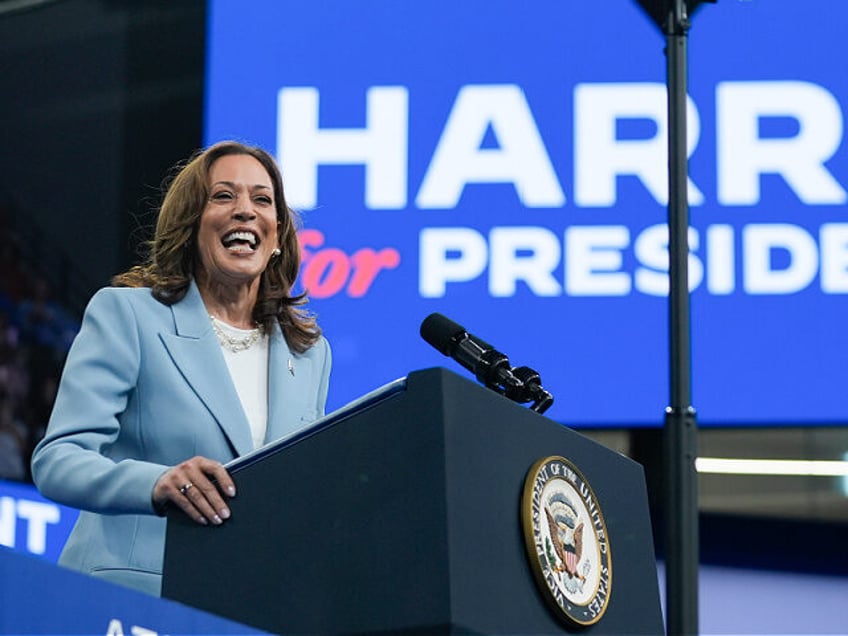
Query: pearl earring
x: 276, y: 252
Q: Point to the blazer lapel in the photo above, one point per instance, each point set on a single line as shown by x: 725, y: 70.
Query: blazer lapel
x: 196, y: 352
x: 289, y: 377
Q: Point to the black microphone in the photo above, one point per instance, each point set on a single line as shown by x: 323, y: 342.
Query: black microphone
x: 490, y: 366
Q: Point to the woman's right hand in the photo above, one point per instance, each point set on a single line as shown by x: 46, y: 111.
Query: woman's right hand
x: 198, y: 486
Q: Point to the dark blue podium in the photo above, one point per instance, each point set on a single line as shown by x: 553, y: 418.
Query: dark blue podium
x: 401, y: 514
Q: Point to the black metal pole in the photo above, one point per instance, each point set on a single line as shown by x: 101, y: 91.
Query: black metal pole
x: 680, y: 434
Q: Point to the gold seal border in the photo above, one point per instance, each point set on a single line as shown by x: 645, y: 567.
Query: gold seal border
x: 530, y: 541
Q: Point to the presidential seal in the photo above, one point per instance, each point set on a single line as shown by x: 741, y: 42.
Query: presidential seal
x: 567, y: 542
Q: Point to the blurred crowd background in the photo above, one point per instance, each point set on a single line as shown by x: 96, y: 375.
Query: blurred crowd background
x: 36, y: 331
x: 35, y: 334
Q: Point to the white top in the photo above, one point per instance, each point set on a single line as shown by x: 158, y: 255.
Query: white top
x: 249, y: 370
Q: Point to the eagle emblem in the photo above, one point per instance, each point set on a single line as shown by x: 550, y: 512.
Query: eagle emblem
x: 567, y: 541
x: 566, y: 535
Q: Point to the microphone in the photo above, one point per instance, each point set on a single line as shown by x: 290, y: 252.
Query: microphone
x: 490, y: 366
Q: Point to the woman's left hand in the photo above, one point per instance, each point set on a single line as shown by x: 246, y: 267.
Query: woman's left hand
x: 198, y: 487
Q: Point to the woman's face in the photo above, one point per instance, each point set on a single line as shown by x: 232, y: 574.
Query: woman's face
x: 238, y: 226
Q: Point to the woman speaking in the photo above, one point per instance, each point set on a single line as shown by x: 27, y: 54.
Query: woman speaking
x: 198, y: 355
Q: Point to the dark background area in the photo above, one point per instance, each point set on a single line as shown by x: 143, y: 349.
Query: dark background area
x: 100, y: 99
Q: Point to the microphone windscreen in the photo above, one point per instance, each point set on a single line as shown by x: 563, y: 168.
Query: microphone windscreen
x: 441, y: 332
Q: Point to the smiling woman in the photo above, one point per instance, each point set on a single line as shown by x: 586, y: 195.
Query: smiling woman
x: 168, y: 378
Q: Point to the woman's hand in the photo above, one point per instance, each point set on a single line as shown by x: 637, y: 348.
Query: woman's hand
x: 190, y: 487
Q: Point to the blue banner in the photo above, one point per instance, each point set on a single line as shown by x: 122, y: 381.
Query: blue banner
x: 505, y: 164
x: 42, y: 598
x: 31, y: 524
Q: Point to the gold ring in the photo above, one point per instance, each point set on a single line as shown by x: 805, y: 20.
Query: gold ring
x: 186, y: 488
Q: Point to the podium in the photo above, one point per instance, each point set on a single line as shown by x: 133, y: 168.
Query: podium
x: 402, y: 514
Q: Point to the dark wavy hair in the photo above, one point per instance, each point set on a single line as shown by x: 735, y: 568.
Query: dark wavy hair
x: 172, y: 254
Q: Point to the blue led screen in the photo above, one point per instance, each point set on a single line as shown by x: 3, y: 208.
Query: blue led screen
x: 505, y: 164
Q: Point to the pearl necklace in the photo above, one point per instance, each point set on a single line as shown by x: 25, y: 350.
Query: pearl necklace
x: 235, y: 343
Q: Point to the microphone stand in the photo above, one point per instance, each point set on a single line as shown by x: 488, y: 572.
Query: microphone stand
x: 680, y: 488
x: 681, y: 429
x: 519, y: 384
x: 531, y: 390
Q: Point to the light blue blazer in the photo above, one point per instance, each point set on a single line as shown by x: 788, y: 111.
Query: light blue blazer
x: 145, y: 386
